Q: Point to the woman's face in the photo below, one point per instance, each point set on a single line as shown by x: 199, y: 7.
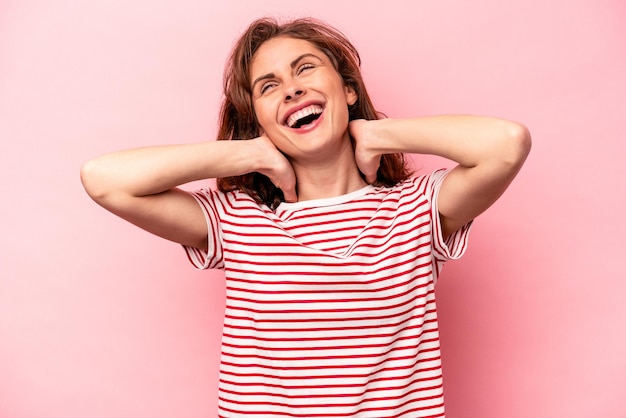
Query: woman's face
x: 300, y: 100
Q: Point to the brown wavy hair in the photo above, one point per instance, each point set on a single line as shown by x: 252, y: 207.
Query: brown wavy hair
x: 238, y: 119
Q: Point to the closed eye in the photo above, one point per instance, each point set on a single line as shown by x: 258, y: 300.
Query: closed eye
x: 305, y: 67
x: 265, y: 87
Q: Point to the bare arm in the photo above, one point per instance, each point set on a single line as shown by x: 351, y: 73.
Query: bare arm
x: 140, y: 185
x: 489, y: 153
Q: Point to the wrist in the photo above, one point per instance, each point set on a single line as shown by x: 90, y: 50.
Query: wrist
x: 258, y: 155
x: 379, y: 137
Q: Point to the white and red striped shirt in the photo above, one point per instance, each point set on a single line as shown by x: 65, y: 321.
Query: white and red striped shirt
x: 330, y: 303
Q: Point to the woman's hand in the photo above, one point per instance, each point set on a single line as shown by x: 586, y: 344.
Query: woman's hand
x: 277, y: 168
x: 141, y: 185
x: 489, y: 152
x: 366, y: 156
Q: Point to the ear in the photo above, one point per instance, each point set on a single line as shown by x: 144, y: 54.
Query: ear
x: 351, y: 96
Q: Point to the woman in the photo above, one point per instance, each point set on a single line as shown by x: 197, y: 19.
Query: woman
x: 330, y: 248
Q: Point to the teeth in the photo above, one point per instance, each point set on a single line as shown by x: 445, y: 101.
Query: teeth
x: 302, y: 113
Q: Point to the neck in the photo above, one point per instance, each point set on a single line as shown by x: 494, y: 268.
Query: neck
x: 333, y: 175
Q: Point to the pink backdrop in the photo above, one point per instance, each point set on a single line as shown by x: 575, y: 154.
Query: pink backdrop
x: 98, y: 319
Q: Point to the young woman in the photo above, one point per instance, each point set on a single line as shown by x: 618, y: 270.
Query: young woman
x: 330, y: 247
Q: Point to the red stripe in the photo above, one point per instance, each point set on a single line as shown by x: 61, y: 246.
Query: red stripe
x: 335, y: 376
x: 326, y: 329
x: 338, y: 319
x: 321, y: 291
x: 231, y: 270
x: 330, y: 367
x: 338, y: 395
x: 255, y: 337
x: 319, y: 310
x: 379, y: 246
x: 374, y: 259
x: 328, y: 301
x: 335, y: 357
x: 341, y: 319
x: 328, y: 283
x: 335, y: 347
x: 358, y: 411
x: 347, y: 385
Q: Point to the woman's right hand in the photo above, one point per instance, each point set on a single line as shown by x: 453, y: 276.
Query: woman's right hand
x: 141, y: 185
x: 277, y: 168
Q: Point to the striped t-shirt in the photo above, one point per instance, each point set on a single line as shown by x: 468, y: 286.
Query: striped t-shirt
x: 330, y: 303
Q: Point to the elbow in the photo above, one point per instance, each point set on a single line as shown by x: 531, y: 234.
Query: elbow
x: 523, y: 139
x: 516, y: 146
x: 91, y: 177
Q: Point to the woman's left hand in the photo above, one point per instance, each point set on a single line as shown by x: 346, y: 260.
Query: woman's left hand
x: 366, y: 156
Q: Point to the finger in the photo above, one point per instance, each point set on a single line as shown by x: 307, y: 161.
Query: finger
x: 370, y: 171
x: 290, y: 195
x: 371, y: 178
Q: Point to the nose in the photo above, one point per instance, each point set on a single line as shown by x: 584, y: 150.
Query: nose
x: 293, y: 92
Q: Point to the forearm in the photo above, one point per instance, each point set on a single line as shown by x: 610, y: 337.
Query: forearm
x: 152, y: 170
x: 467, y: 140
x: 489, y: 153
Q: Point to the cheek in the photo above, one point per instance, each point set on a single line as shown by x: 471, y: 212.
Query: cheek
x: 259, y: 117
x: 263, y: 113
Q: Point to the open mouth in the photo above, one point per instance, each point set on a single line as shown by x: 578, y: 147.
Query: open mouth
x: 304, y: 116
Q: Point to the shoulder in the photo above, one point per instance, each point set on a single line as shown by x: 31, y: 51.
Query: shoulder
x: 422, y: 184
x: 231, y: 201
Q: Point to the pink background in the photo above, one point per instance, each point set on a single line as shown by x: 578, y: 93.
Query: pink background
x: 99, y: 319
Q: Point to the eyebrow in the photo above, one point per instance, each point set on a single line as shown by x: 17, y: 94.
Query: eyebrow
x: 292, y: 65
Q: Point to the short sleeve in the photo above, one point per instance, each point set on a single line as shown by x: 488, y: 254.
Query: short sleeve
x: 455, y: 245
x: 213, y: 257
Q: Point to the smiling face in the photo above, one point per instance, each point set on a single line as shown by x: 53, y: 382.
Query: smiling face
x: 299, y: 98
